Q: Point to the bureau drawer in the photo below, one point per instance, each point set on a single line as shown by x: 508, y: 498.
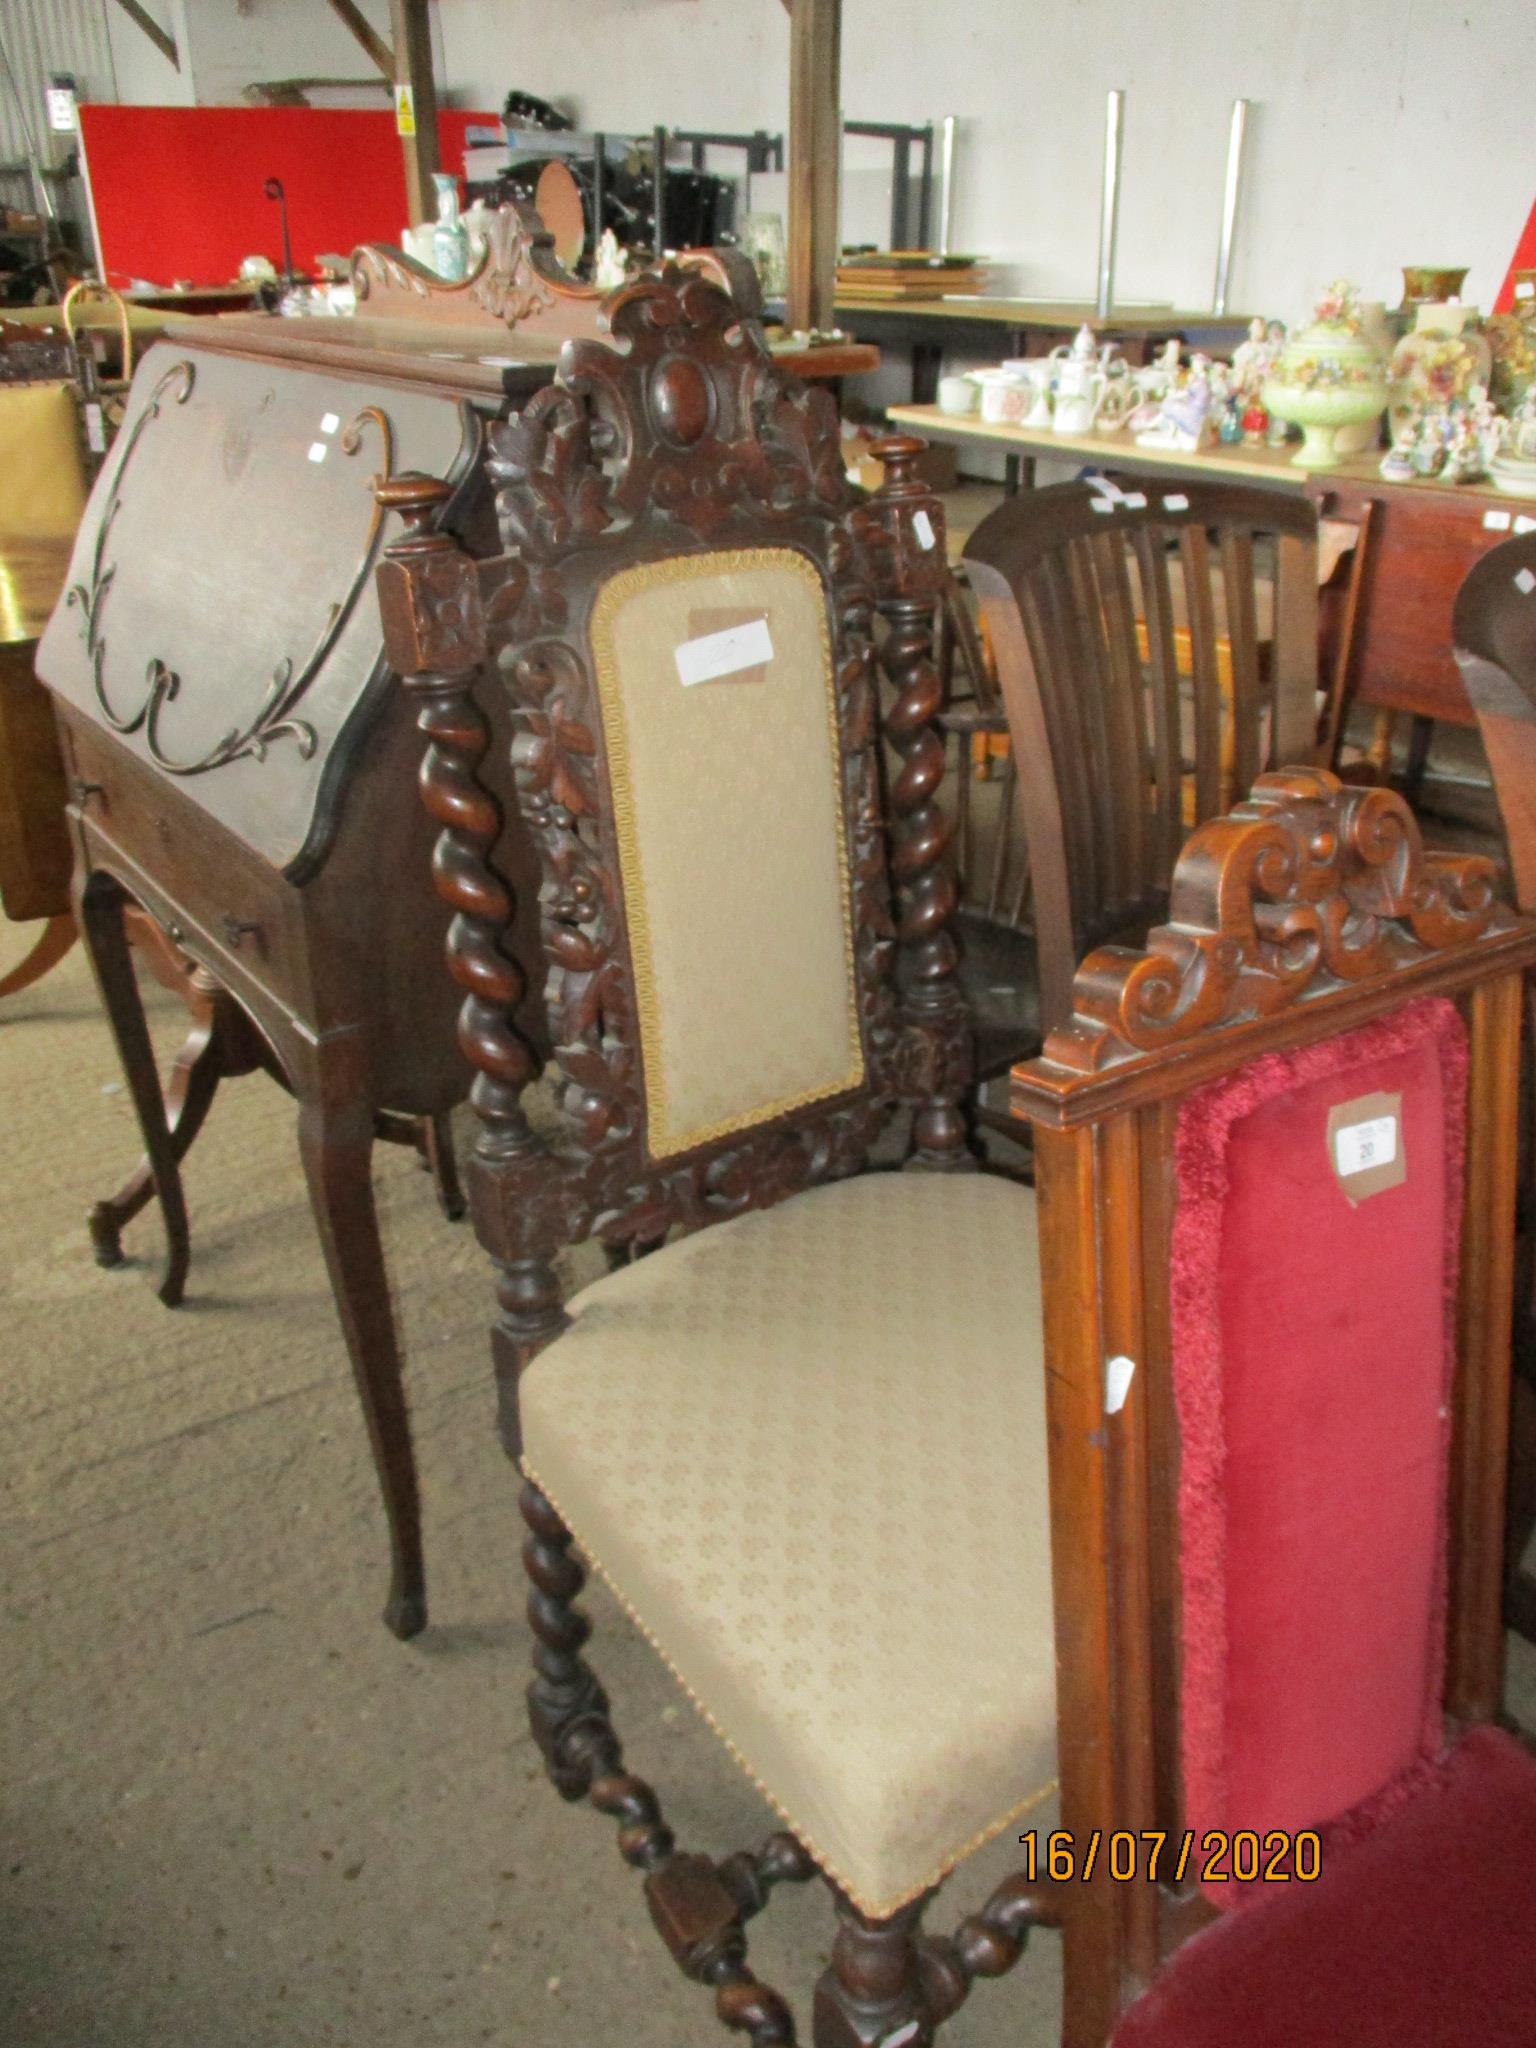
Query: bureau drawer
x: 234, y: 910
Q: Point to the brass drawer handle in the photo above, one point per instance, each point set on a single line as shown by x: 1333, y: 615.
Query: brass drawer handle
x: 82, y: 791
x: 235, y: 929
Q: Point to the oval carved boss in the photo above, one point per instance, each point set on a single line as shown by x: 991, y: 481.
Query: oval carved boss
x: 682, y: 403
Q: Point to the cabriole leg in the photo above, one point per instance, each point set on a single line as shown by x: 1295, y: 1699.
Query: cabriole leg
x: 337, y: 1147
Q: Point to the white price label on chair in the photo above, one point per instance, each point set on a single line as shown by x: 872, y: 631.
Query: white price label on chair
x: 714, y: 655
x: 922, y: 526
x: 95, y: 429
x: 1359, y: 1147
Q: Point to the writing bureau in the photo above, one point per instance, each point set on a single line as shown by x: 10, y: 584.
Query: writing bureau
x: 238, y: 764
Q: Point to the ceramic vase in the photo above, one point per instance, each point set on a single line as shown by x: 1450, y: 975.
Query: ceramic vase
x: 1330, y: 375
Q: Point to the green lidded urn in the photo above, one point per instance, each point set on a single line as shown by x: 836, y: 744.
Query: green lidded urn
x: 1329, y: 375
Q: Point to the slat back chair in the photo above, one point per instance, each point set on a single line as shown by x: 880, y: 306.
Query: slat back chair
x: 1275, y: 1163
x: 1493, y: 633
x: 683, y: 622
x: 1122, y: 745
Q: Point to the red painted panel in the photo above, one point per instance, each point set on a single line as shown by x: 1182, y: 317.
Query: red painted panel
x: 178, y: 190
x: 1524, y: 258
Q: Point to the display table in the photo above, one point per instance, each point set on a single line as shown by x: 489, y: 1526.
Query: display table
x: 1272, y: 466
x: 1000, y: 327
x: 1418, y: 540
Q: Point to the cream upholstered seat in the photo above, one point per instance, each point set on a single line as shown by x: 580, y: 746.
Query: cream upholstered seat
x: 819, y: 1486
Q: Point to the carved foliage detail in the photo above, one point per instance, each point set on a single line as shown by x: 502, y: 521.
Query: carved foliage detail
x: 683, y: 436
x: 1306, y: 886
x: 513, y: 281
x: 685, y: 417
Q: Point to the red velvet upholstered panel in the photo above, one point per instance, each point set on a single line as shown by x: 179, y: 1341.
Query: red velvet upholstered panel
x: 1312, y: 1356
x: 1419, y: 1937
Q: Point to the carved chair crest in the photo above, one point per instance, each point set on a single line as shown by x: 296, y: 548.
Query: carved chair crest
x: 1309, y: 885
x: 679, y: 440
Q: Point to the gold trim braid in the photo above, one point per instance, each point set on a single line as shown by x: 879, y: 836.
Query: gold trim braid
x: 661, y: 1141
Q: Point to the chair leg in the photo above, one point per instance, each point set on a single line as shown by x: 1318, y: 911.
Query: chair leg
x: 337, y: 1147
x: 443, y: 1165
x: 48, y: 949
x: 873, y: 1994
x: 699, y: 1908
x: 199, y: 1068
x: 99, y: 913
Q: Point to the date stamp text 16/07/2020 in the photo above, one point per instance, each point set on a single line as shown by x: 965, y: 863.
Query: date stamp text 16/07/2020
x: 1245, y: 1857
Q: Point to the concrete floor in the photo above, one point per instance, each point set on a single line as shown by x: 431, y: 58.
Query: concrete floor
x: 233, y: 1810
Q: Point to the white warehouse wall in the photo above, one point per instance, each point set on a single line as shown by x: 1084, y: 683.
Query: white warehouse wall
x: 1385, y: 132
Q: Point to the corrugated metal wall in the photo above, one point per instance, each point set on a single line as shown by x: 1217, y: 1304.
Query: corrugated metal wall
x: 37, y: 37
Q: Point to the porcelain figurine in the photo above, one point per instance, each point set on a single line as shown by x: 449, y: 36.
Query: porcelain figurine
x: 1428, y: 451
x: 450, y: 242
x: 1184, y: 420
x: 1255, y: 422
x: 1522, y: 430
x: 1253, y: 359
x: 609, y: 269
x: 1328, y: 376
x: 1229, y: 424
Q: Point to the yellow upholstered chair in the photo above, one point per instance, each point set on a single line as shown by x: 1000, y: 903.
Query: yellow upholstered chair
x: 731, y: 1428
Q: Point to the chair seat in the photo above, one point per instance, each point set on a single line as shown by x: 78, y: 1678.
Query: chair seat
x: 806, y: 1449
x: 1419, y: 1936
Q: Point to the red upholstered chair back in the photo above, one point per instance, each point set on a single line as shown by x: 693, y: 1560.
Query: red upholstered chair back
x: 1278, y: 1433
x: 1315, y: 1260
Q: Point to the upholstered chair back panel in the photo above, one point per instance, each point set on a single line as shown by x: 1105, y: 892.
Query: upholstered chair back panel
x: 1314, y: 1284
x: 716, y: 684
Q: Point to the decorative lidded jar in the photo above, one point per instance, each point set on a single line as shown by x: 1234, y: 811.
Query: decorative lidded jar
x: 1329, y: 375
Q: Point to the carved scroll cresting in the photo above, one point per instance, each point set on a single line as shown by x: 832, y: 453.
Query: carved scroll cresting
x: 517, y: 283
x: 1308, y: 886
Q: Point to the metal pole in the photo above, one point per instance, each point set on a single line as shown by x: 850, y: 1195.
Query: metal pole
x: 659, y: 188
x: 925, y: 192
x: 1109, y: 216
x: 1231, y: 192
x: 946, y: 182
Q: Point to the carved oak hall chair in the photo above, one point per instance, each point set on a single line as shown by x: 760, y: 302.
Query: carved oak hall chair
x: 826, y: 1497
x: 1155, y: 652
x: 683, y: 623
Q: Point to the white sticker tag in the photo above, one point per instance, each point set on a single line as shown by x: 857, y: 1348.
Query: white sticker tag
x: 714, y: 655
x: 1524, y: 582
x: 95, y: 430
x: 1103, y: 504
x: 922, y: 526
x: 1175, y: 502
x: 1497, y: 522
x: 318, y: 451
x: 1134, y: 500
x: 1525, y: 289
x: 1118, y: 1374
x: 330, y: 422
x: 1358, y: 1147
x: 902, y: 2035
x: 1524, y: 523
